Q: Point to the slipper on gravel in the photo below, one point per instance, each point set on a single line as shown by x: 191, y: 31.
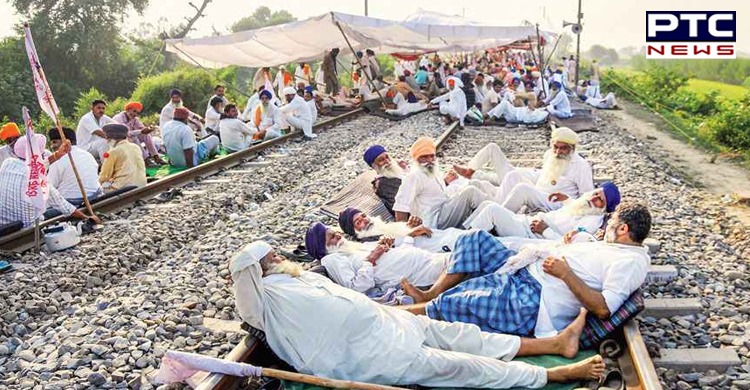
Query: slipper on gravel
x: 612, y: 379
x: 5, y: 266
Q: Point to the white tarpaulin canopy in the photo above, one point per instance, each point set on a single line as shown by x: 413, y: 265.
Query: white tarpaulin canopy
x: 308, y: 39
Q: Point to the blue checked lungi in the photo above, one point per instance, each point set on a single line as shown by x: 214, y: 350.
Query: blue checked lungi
x: 496, y: 303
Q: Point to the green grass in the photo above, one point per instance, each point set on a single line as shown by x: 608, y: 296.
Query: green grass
x: 728, y: 91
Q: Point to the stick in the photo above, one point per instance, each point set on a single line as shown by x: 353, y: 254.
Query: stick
x: 324, y: 382
x: 360, y: 64
x: 73, y: 165
x: 36, y: 234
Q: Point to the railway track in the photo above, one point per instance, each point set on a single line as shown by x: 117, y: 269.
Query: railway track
x: 24, y: 239
x: 634, y: 361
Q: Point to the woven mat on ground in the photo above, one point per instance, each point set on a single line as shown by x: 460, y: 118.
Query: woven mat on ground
x: 544, y: 361
x: 582, y: 120
x: 506, y: 124
x: 336, y: 111
x: 358, y: 194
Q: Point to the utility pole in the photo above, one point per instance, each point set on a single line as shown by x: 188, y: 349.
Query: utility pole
x: 578, y: 44
x: 365, y: 7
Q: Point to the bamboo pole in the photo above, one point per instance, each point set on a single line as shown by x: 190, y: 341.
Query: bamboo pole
x: 360, y: 65
x: 324, y: 382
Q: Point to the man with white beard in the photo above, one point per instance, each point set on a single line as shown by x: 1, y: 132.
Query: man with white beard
x: 374, y: 266
x: 362, y: 227
x: 583, y: 214
x: 306, y: 316
x: 484, y: 284
x: 423, y: 192
x: 564, y: 175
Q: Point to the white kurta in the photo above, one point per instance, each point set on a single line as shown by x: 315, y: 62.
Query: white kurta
x: 559, y: 105
x: 85, y: 138
x: 60, y: 174
x: 6, y: 152
x: 614, y: 269
x: 452, y: 103
x: 323, y: 329
x: 518, y: 114
x: 252, y: 102
x: 297, y: 114
x: 421, y: 195
x: 212, y: 118
x: 608, y: 102
x: 403, y: 107
x: 440, y: 240
x: 235, y: 135
x: 167, y: 114
x: 419, y: 267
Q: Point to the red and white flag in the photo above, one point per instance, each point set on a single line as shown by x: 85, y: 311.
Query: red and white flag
x: 43, y: 92
x: 37, y: 189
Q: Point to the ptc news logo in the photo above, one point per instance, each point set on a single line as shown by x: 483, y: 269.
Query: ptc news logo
x: 691, y: 34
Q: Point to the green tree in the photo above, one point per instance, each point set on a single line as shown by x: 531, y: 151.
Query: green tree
x: 15, y: 79
x: 262, y: 17
x: 80, y: 45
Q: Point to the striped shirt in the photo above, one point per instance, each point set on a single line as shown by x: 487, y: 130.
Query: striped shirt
x: 14, y: 205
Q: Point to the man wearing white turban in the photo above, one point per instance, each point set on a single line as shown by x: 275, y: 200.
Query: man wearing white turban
x: 453, y: 103
x: 297, y: 112
x: 324, y: 329
x: 563, y: 171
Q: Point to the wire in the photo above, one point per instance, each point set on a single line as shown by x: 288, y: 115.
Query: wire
x: 215, y: 77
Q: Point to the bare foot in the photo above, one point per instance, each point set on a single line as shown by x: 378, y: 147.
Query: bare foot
x: 464, y: 171
x: 589, y: 369
x: 418, y: 295
x: 570, y: 337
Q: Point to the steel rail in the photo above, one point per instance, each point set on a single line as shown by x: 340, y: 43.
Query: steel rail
x: 24, y: 239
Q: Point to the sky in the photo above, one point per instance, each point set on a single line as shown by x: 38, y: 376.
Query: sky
x: 614, y: 24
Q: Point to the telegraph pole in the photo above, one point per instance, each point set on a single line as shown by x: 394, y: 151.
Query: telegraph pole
x: 366, y: 8
x: 578, y: 43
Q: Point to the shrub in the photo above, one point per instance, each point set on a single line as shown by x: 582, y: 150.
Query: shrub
x: 196, y: 86
x: 731, y: 125
x: 83, y: 103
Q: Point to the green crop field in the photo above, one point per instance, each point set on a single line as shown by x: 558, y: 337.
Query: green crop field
x: 726, y: 90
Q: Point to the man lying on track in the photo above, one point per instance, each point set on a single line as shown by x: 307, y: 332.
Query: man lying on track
x: 324, y: 329
x: 564, y: 171
x: 373, y: 265
x: 583, y: 214
x: 541, y: 295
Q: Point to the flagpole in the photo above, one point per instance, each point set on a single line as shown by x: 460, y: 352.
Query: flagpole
x: 55, y: 116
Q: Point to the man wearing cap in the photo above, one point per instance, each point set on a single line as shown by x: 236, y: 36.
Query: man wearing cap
x: 89, y: 132
x: 175, y: 100
x: 9, y: 134
x: 15, y: 205
x: 297, y: 113
x: 60, y: 173
x: 138, y: 133
x: 423, y: 192
x: 583, y: 214
x: 123, y: 164
x: 557, y: 102
x: 371, y: 267
x: 182, y: 150
x: 362, y: 227
x: 452, y: 103
x: 487, y: 285
x: 305, y: 316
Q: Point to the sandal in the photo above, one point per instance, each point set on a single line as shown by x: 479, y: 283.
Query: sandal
x: 612, y: 379
x: 5, y: 266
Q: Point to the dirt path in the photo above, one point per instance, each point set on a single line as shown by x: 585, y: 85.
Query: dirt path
x: 720, y: 177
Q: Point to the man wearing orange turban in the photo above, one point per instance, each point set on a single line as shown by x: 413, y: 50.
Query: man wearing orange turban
x: 423, y: 191
x: 9, y: 134
x: 138, y: 133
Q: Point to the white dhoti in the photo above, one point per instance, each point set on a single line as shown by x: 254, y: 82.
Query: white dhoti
x: 455, y: 210
x: 490, y: 154
x: 559, y: 113
x: 607, y: 103
x: 299, y: 123
x: 97, y: 147
x: 518, y: 189
x: 455, y: 354
x: 490, y: 215
x: 403, y: 107
x: 446, y: 108
x: 517, y: 114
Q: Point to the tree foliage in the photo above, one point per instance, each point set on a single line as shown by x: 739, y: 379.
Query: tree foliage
x: 603, y: 55
x: 726, y: 71
x: 262, y: 17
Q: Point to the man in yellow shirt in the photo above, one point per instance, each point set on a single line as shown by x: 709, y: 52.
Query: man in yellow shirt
x: 123, y: 164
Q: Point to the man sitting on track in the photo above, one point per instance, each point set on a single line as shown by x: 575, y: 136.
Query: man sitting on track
x: 423, y: 192
x: 564, y: 174
x: 557, y: 102
x: 583, y: 214
x: 487, y: 286
x: 324, y: 329
x: 452, y: 104
x: 374, y: 266
x: 363, y: 227
x: 406, y: 105
x: 607, y: 103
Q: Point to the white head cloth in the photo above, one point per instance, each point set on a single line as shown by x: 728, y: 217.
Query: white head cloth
x: 248, y: 282
x: 289, y: 91
x: 459, y: 83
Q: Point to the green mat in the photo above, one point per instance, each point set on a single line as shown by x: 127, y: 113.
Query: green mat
x: 546, y: 361
x: 166, y: 170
